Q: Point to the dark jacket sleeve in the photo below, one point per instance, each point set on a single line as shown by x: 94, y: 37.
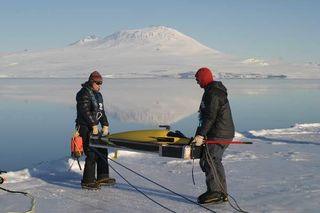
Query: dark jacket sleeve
x: 84, y: 107
x: 209, y: 113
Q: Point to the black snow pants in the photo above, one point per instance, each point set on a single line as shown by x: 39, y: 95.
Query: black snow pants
x: 93, y: 159
x: 210, y: 163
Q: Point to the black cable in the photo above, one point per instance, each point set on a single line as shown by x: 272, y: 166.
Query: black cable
x: 192, y: 173
x: 105, y: 160
x: 173, y: 192
x: 17, y: 192
x: 71, y: 165
x: 79, y: 164
x: 140, y: 190
x: 24, y: 193
x: 216, y: 176
x: 192, y: 170
x: 159, y: 185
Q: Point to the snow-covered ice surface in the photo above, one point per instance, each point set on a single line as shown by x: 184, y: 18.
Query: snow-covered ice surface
x: 279, y: 173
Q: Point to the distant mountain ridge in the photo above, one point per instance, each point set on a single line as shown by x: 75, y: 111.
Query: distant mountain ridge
x: 86, y: 40
x: 152, y: 52
x: 146, y: 35
x: 152, y: 37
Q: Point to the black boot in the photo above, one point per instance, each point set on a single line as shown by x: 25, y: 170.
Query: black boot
x: 212, y: 197
x: 90, y: 186
x: 107, y: 181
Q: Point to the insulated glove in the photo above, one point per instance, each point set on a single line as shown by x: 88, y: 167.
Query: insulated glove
x: 75, y: 134
x: 198, y: 140
x: 105, y: 131
x: 95, y: 130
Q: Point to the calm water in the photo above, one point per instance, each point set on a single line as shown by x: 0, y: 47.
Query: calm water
x: 37, y: 130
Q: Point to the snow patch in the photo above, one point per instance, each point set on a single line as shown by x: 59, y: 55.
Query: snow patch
x: 123, y: 153
x: 247, y: 155
x: 176, y: 162
x: 278, y: 143
x: 12, y: 64
x: 293, y: 156
x: 297, y: 129
x: 255, y: 62
x: 17, y: 177
x: 238, y: 136
x: 87, y: 40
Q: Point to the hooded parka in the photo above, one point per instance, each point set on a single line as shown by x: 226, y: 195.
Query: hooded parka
x: 214, y: 113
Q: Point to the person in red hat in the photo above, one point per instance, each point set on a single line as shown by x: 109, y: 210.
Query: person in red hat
x: 90, y: 112
x: 215, y: 123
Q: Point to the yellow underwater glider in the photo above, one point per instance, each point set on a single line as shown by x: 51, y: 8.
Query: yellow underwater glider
x: 163, y: 141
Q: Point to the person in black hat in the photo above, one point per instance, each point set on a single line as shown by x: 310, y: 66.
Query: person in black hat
x: 90, y: 112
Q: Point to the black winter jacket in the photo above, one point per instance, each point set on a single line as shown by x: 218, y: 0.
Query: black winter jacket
x: 89, y: 106
x: 215, y: 113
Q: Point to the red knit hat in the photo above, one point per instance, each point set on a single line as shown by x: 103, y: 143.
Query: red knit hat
x: 204, y: 76
x: 95, y: 76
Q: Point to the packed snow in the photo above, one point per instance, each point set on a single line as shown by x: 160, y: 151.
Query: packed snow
x: 275, y: 174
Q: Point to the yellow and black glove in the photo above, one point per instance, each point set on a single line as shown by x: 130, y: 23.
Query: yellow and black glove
x: 95, y: 130
x: 105, y: 131
x: 198, y: 140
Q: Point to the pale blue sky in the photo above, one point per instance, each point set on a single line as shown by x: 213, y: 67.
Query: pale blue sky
x: 269, y: 29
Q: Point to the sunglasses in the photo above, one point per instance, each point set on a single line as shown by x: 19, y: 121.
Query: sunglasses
x: 98, y: 82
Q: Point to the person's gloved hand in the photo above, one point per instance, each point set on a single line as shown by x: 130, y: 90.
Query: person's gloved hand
x: 95, y: 130
x: 75, y: 134
x: 198, y: 140
x: 105, y: 131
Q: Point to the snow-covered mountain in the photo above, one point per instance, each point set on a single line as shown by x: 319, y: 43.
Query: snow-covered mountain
x: 153, y: 52
x: 153, y: 39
